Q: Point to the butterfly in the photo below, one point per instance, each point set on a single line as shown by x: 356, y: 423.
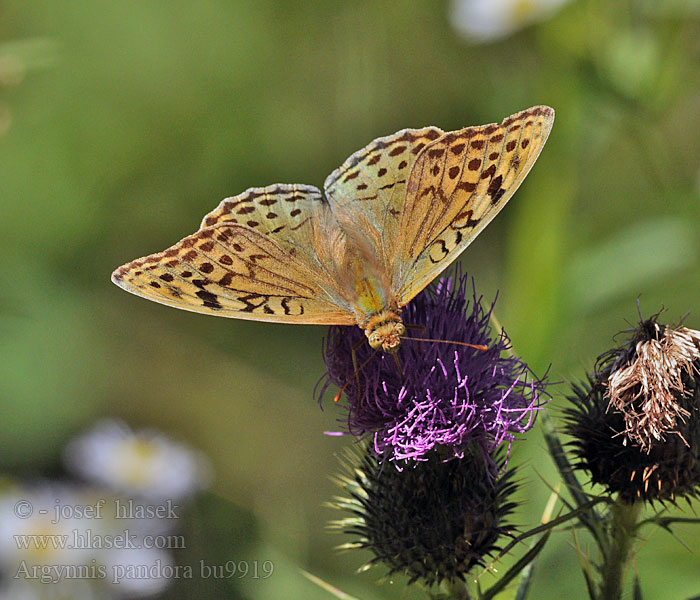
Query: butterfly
x: 391, y: 219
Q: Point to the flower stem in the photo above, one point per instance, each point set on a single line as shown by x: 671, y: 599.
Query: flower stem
x: 458, y: 591
x: 617, y: 558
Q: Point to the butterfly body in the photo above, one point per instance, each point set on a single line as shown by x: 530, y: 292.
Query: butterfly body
x: 384, y: 330
x: 370, y: 298
x: 392, y: 218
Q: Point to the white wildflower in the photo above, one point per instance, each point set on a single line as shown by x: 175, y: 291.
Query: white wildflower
x: 481, y: 21
x: 61, y: 542
x: 145, y: 464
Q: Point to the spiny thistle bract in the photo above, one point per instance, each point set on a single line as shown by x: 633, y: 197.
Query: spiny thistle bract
x: 433, y: 522
x: 445, y: 396
x: 636, y: 422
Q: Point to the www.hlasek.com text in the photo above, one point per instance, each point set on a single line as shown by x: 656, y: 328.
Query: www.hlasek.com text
x: 87, y: 539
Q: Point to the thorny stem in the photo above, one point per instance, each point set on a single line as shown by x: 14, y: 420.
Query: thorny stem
x: 623, y: 525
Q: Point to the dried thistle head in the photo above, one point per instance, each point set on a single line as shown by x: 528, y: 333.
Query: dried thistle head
x: 635, y: 422
x: 669, y: 470
x: 643, y: 380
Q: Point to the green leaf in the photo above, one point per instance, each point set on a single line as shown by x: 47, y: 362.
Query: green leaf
x: 590, y: 519
x: 556, y: 450
x: 517, y: 568
x: 613, y: 267
x: 546, y: 527
x: 666, y: 522
x: 525, y: 581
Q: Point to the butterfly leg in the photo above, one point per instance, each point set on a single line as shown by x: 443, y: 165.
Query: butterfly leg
x: 341, y: 338
x: 357, y: 370
x: 398, y: 366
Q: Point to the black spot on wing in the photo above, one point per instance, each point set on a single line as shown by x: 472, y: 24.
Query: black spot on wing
x: 208, y: 299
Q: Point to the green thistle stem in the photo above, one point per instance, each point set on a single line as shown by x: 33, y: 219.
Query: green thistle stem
x: 458, y: 591
x: 619, y: 554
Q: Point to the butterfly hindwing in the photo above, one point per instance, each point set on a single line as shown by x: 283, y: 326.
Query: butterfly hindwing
x: 284, y: 212
x: 232, y: 270
x: 458, y: 183
x: 370, y: 186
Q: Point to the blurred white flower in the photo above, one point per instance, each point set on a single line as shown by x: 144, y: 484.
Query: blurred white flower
x: 76, y: 589
x: 34, y: 531
x: 144, y: 464
x: 65, y: 542
x: 480, y: 21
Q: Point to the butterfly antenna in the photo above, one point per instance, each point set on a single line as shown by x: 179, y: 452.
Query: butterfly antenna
x: 475, y: 346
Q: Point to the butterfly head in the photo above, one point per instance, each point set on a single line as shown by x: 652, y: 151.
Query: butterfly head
x: 384, y: 331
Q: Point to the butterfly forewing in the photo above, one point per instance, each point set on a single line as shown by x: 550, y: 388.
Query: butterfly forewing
x: 371, y: 184
x: 232, y: 270
x: 457, y: 185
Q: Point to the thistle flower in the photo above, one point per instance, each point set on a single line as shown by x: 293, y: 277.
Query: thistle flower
x: 139, y: 464
x: 445, y: 396
x: 434, y: 522
x: 636, y: 422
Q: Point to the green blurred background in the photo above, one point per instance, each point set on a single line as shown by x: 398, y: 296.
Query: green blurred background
x: 125, y: 122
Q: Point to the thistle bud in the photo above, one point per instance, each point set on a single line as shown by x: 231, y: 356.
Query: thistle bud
x: 434, y: 522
